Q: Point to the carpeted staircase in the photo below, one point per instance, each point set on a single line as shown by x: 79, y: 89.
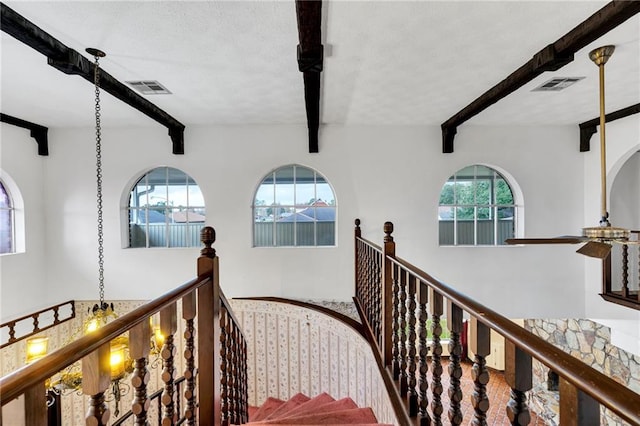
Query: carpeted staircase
x: 320, y: 410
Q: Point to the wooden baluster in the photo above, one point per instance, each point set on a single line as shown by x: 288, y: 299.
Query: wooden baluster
x: 454, y: 322
x: 168, y: 327
x: 244, y: 388
x: 403, y: 333
x: 625, y: 271
x: 356, y: 255
x: 36, y: 323
x: 96, y: 377
x: 236, y: 375
x: 231, y: 370
x: 379, y: 297
x: 224, y: 376
x: 35, y: 406
x: 480, y: 344
x: 12, y: 332
x: 411, y: 318
x: 396, y: 326
x: 423, y: 383
x: 437, y: 389
x: 638, y: 283
x: 139, y: 348
x: 208, y: 333
x: 56, y: 315
x: 576, y: 407
x: 188, y: 314
x: 518, y: 374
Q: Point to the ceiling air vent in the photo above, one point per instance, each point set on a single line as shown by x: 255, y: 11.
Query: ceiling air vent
x: 557, y: 83
x: 149, y: 87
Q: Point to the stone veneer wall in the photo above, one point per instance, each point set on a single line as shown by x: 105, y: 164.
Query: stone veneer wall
x: 589, y: 342
x: 74, y: 404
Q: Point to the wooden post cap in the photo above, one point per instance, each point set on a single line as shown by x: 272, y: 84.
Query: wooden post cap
x: 388, y: 230
x: 208, y: 237
x: 357, y: 221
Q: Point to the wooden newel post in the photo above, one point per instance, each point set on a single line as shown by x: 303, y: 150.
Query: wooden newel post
x: 389, y: 251
x: 208, y: 335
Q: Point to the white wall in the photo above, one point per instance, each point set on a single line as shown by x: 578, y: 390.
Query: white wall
x: 379, y: 173
x: 623, y: 141
x: 22, y: 275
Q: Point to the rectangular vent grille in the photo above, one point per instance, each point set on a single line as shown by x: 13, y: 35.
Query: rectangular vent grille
x: 557, y: 83
x: 149, y: 87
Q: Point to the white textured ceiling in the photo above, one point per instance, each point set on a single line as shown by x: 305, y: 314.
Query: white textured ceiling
x: 234, y: 62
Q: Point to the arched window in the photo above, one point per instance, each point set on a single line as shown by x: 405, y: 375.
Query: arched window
x: 294, y: 206
x: 7, y: 223
x: 477, y: 207
x: 166, y: 209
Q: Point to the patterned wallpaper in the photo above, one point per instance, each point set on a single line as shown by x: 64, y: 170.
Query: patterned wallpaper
x: 293, y: 349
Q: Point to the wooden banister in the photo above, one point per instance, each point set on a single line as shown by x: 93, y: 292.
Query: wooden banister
x: 585, y: 382
x: 201, y: 299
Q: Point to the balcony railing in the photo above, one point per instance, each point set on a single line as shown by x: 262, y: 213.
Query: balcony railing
x: 395, y: 299
x: 217, y: 353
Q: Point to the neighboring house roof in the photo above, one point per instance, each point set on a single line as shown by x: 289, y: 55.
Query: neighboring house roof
x: 184, y: 216
x: 156, y: 216
x: 311, y: 214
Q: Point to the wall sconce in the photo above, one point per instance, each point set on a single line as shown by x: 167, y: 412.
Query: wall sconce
x: 36, y: 348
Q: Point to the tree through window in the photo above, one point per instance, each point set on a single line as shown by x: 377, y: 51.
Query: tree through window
x: 294, y: 206
x: 476, y: 208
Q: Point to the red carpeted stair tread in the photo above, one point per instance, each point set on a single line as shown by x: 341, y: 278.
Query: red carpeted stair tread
x: 322, y: 409
x: 343, y: 417
x: 309, y: 407
x: 292, y: 403
x: 269, y: 406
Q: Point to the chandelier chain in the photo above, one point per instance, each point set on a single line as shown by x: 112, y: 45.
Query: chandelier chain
x: 96, y: 81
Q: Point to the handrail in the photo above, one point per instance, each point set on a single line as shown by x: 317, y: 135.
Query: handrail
x: 619, y: 399
x: 216, y: 349
x: 17, y: 382
x: 36, y: 325
x: 395, y: 298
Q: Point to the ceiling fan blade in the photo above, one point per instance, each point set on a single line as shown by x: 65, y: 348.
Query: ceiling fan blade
x: 557, y: 240
x: 595, y: 249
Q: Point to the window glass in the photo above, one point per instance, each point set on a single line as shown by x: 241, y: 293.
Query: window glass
x: 476, y: 208
x: 6, y: 221
x: 166, y: 209
x: 294, y: 206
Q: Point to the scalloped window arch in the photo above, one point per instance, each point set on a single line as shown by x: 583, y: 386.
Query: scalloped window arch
x: 294, y: 206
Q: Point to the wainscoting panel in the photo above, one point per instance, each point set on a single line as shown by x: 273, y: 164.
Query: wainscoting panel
x: 292, y: 349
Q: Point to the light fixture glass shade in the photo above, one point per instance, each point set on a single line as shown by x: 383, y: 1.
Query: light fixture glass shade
x: 36, y: 348
x: 117, y: 361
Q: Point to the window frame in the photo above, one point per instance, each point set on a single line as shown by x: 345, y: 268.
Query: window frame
x: 189, y: 241
x: 17, y: 214
x: 497, y: 174
x: 295, y: 208
x: 9, y: 209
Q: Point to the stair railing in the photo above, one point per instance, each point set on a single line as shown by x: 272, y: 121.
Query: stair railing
x: 627, y: 291
x: 395, y: 299
x: 217, y: 397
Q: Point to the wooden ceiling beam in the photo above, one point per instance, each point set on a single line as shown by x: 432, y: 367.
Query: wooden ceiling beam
x: 38, y: 132
x: 588, y: 128
x: 310, y: 62
x: 551, y: 58
x: 70, y: 61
